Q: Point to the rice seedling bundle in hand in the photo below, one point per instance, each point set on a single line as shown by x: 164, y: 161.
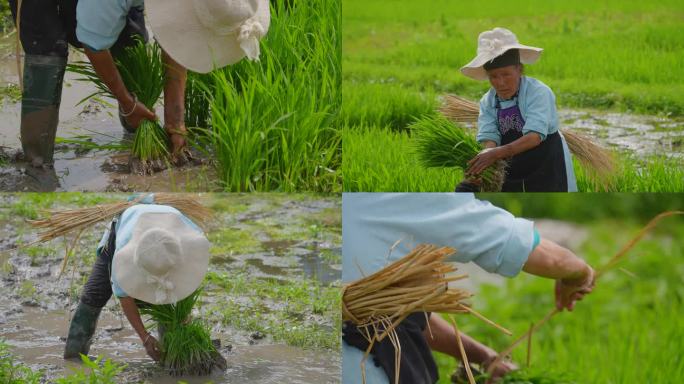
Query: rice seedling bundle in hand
x: 142, y: 71
x: 595, y: 158
x: 441, y: 143
x: 185, y: 343
x: 418, y: 282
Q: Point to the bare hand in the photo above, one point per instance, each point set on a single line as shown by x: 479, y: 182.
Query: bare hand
x: 140, y: 113
x: 179, y: 151
x: 152, y: 347
x: 501, y: 369
x: 484, y: 159
x: 569, y: 291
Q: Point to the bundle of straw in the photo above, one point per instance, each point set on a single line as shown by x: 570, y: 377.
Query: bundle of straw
x: 591, y: 155
x: 186, y: 346
x: 141, y: 70
x: 441, y: 143
x: 418, y: 282
x: 62, y: 223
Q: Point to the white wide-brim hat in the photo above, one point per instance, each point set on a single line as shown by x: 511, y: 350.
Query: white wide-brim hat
x: 492, y: 44
x: 164, y: 261
x: 203, y: 35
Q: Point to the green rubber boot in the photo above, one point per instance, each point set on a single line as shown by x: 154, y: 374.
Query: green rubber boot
x: 81, y: 331
x: 43, y: 79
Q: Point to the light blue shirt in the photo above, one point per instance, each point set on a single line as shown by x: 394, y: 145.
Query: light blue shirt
x: 124, y: 231
x: 100, y: 22
x: 537, y: 105
x: 489, y: 236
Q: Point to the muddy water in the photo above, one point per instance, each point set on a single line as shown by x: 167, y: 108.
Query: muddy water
x: 293, y: 231
x: 37, y: 340
x: 76, y: 168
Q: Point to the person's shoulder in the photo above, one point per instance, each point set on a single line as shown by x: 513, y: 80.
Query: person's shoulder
x: 536, y: 85
x: 488, y: 98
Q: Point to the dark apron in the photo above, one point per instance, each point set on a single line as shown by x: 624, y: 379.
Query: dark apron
x: 417, y: 364
x: 540, y: 169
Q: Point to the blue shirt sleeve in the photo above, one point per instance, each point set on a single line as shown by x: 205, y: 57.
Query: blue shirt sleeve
x: 540, y: 106
x: 99, y: 22
x: 486, y: 121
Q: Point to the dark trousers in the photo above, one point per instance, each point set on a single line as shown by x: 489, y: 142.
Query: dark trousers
x: 98, y: 289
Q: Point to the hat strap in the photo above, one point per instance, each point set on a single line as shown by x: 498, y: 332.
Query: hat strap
x: 163, y: 288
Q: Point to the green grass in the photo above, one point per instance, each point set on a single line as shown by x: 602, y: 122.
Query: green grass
x: 382, y: 160
x: 293, y: 320
x: 626, y: 331
x: 271, y: 121
x: 617, y: 54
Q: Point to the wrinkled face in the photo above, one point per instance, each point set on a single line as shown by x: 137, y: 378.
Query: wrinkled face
x: 505, y: 80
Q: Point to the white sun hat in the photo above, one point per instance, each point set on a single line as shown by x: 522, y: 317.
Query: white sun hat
x: 164, y: 261
x: 494, y: 43
x: 203, y: 35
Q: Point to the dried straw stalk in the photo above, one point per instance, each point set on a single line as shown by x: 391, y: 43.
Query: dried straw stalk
x: 61, y: 223
x: 418, y: 282
x: 594, y: 157
x: 600, y: 271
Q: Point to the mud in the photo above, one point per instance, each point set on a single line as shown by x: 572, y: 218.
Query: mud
x: 36, y: 302
x: 84, y: 168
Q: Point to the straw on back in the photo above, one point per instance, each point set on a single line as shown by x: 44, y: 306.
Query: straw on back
x: 594, y: 157
x: 418, y: 282
x: 61, y: 223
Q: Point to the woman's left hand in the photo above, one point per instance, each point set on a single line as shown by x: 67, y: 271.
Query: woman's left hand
x: 483, y: 160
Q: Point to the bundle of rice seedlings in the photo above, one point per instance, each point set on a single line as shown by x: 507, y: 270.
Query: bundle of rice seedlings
x: 185, y: 343
x: 441, y: 143
x: 591, y: 155
x: 418, y: 282
x: 141, y: 70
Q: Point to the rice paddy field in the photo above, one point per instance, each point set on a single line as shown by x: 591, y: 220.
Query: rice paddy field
x: 270, y: 297
x: 628, y: 330
x: 613, y: 67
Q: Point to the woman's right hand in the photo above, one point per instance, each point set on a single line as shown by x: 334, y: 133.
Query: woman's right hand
x: 138, y: 112
x: 152, y: 347
x: 569, y: 291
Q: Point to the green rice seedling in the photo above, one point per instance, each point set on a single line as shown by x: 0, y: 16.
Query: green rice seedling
x: 440, y: 143
x: 272, y: 122
x: 186, y: 346
x: 141, y: 70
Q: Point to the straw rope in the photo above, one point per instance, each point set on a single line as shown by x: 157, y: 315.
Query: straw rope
x: 600, y: 271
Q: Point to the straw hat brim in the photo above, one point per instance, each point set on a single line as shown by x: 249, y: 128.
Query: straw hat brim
x: 186, y: 276
x: 182, y: 35
x: 475, y: 70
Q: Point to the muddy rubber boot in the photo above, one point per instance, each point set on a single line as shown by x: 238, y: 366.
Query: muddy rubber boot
x: 43, y: 79
x: 81, y: 331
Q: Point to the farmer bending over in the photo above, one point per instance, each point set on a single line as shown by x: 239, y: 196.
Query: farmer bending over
x: 486, y: 235
x: 152, y: 254
x: 199, y: 35
x: 518, y: 120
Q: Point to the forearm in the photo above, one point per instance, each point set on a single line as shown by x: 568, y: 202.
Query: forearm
x: 130, y: 309
x: 443, y: 339
x: 551, y: 260
x: 525, y: 143
x: 175, y: 76
x: 104, y: 66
